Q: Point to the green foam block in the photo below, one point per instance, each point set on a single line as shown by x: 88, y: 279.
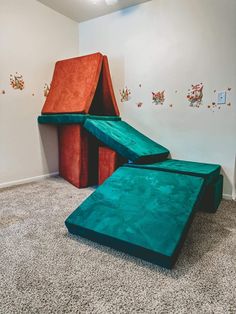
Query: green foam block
x: 143, y: 212
x: 210, y: 172
x: 62, y: 118
x: 110, y: 118
x: 126, y: 140
x: 72, y: 118
x: 212, y: 196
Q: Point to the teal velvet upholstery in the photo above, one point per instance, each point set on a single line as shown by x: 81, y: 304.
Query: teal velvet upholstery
x: 212, y: 196
x: 110, y: 118
x: 210, y: 172
x: 66, y: 118
x: 126, y: 140
x: 143, y: 212
x: 72, y: 118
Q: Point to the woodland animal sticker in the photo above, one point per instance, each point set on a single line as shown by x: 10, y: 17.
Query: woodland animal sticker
x: 195, y: 95
x: 158, y: 97
x: 46, y: 90
x: 17, y: 81
x: 125, y: 94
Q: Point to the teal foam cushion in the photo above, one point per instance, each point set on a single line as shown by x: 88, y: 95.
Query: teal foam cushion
x: 210, y: 172
x: 212, y: 196
x: 143, y: 212
x: 72, y: 118
x: 126, y: 140
x: 62, y: 118
x: 110, y: 118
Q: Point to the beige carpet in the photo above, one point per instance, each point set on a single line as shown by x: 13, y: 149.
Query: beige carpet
x: 45, y: 270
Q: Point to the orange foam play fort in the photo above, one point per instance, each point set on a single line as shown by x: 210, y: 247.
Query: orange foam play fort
x: 80, y: 86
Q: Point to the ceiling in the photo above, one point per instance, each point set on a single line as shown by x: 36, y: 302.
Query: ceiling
x: 82, y: 10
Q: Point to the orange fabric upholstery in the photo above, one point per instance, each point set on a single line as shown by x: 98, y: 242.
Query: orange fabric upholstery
x: 104, y: 102
x: 78, y: 156
x: 82, y: 85
x: 109, y: 100
x: 73, y: 85
x: 109, y: 161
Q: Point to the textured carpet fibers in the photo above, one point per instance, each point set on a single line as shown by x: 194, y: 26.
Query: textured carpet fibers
x: 43, y: 269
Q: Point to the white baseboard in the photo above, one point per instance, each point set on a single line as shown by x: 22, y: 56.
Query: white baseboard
x: 28, y: 180
x: 227, y: 197
x: 53, y: 174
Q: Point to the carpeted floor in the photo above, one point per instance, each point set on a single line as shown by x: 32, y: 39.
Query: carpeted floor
x: 45, y: 270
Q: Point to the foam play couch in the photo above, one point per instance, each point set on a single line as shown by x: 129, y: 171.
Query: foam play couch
x: 145, y: 201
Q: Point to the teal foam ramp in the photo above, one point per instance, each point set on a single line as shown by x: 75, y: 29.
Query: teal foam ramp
x: 143, y: 212
x: 213, y: 181
x: 126, y: 140
x: 210, y: 172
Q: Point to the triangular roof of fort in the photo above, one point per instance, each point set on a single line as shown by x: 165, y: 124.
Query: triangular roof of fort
x: 82, y: 85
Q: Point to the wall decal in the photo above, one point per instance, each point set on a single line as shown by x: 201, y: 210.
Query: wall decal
x: 229, y: 89
x: 17, y: 81
x: 125, y: 94
x: 229, y: 104
x: 140, y: 85
x: 139, y: 104
x: 158, y: 98
x: 3, y: 91
x: 195, y: 95
x: 46, y: 90
x: 171, y: 105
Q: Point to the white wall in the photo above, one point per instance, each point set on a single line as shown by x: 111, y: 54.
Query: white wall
x: 32, y: 38
x: 171, y: 44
